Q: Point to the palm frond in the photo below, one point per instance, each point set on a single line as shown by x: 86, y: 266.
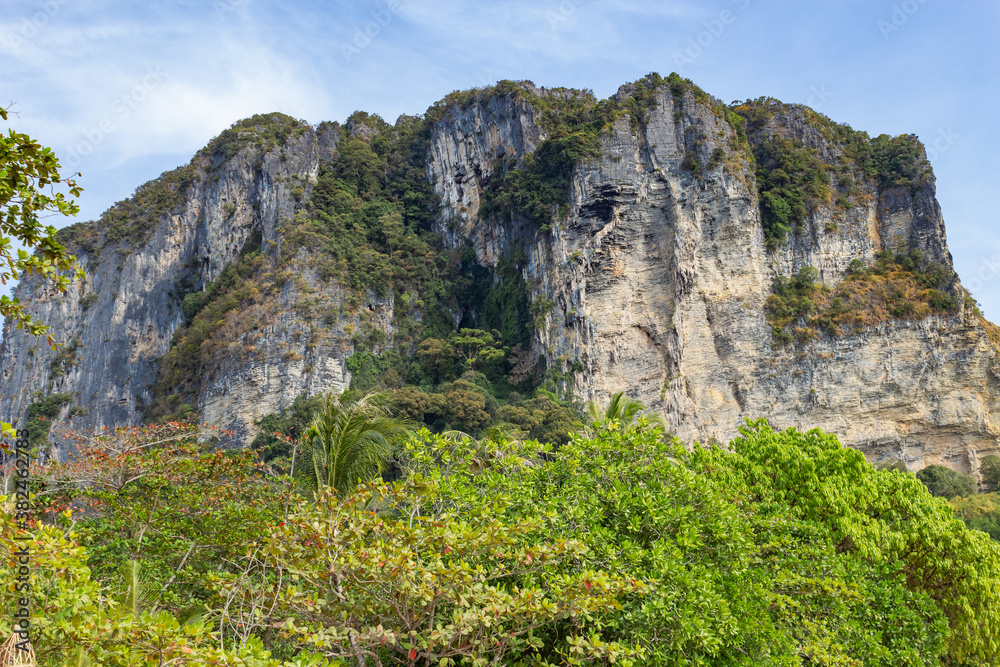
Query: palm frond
x: 350, y: 440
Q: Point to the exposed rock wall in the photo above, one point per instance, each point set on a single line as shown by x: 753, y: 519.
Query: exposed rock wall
x: 657, y: 277
x: 660, y: 278
x: 129, y: 322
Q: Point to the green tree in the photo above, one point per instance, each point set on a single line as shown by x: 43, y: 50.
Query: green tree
x: 156, y: 496
x: 621, y: 408
x: 438, y: 358
x: 477, y: 347
x: 786, y: 549
x: 945, y: 482
x: 411, y: 584
x: 350, y: 440
x: 29, y: 175
x: 981, y: 512
x: 990, y: 470
x: 292, y: 422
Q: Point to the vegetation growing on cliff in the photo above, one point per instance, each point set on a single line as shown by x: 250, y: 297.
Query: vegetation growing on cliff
x: 894, y: 287
x: 40, y: 414
x: 367, y: 227
x: 574, y: 122
x: 792, y: 180
x: 222, y: 319
x: 621, y: 547
x: 262, y: 131
x: 132, y: 221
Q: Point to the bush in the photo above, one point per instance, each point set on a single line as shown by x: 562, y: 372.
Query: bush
x: 905, y: 286
x: 980, y: 511
x: 40, y: 416
x: 946, y: 483
x: 990, y: 470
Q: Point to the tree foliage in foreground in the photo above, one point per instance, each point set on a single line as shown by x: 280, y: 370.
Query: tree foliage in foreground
x: 787, y: 549
x: 27, y: 171
x: 29, y: 174
x: 349, y: 441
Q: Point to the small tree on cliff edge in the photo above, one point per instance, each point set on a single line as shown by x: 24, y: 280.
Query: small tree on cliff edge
x: 29, y: 174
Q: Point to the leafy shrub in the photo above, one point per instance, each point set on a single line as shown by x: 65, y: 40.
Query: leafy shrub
x: 64, y: 358
x: 87, y: 300
x: 989, y: 468
x: 290, y: 423
x: 980, y: 512
x: 41, y: 412
x: 904, y: 286
x: 945, y: 482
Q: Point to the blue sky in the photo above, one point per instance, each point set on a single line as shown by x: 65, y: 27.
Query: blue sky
x: 123, y: 91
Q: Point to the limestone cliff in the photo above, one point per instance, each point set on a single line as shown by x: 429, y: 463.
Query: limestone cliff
x: 653, y: 278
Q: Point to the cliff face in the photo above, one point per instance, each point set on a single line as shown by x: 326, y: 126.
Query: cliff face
x: 660, y: 280
x: 654, y: 280
x: 120, y: 321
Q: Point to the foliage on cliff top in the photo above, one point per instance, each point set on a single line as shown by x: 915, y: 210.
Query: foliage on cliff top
x: 132, y: 221
x: 262, y: 131
x: 894, y: 287
x: 791, y: 177
x: 370, y: 215
x: 574, y: 122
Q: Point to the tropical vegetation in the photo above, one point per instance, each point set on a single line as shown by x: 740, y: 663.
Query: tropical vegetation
x: 621, y: 546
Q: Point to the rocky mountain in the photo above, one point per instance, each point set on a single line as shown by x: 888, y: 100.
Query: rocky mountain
x: 718, y: 262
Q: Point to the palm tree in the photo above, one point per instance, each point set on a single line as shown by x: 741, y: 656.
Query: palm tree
x: 622, y: 409
x: 349, y: 440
